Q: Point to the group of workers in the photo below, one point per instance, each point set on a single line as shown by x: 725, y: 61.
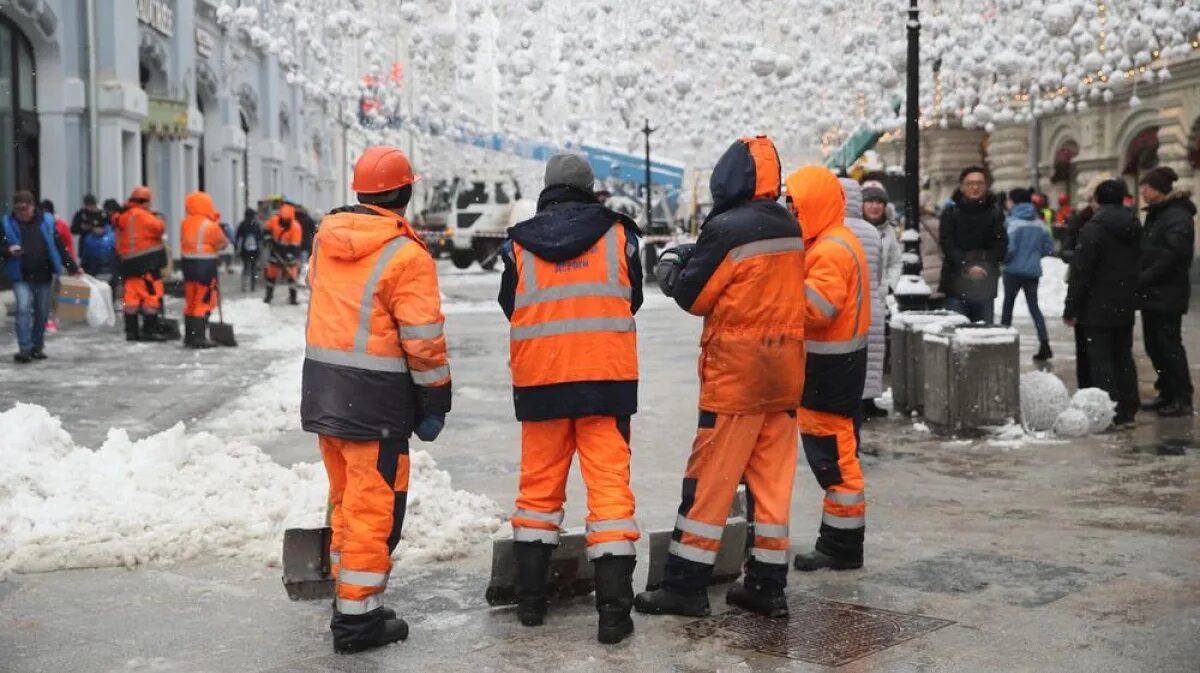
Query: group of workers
x: 142, y: 254
x: 785, y: 296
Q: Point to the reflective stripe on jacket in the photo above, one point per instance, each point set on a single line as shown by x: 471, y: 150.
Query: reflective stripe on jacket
x: 201, y: 238
x: 139, y: 240
x: 838, y: 292
x: 746, y: 277
x: 375, y: 359
x: 286, y: 236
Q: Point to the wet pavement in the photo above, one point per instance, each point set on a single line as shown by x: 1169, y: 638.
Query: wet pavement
x: 1079, y: 555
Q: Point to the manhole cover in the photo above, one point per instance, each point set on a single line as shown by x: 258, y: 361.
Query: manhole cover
x: 818, y: 631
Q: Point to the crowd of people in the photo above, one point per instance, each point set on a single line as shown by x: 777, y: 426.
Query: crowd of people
x: 1118, y: 266
x: 123, y: 245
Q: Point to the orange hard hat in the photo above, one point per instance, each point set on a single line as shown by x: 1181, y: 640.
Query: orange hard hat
x: 140, y: 193
x: 380, y: 169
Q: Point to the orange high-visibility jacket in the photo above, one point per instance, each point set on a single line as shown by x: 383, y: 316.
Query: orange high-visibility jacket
x: 571, y: 286
x: 838, y: 292
x: 746, y: 277
x: 139, y: 240
x: 286, y: 236
x: 201, y: 238
x: 375, y: 360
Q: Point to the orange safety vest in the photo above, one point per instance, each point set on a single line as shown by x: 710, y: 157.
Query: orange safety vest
x: 201, y: 238
x: 572, y: 320
x: 376, y: 356
x: 139, y: 240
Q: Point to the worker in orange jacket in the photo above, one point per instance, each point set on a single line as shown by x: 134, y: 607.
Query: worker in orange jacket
x: 745, y: 275
x: 140, y: 246
x: 375, y: 372
x: 570, y: 288
x: 201, y: 241
x: 838, y: 320
x: 285, y: 236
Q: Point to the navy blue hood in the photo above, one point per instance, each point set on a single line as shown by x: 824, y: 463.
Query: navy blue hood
x: 747, y: 171
x: 568, y: 223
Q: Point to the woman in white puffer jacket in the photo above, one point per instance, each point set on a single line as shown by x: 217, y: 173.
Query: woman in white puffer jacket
x: 872, y: 244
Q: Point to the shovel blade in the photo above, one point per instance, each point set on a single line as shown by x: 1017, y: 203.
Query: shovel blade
x: 306, y: 574
x: 222, y: 333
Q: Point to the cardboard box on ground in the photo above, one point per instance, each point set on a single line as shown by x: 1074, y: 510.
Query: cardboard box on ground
x: 73, y: 297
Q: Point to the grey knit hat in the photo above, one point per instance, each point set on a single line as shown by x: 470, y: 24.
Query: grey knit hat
x: 874, y: 193
x: 569, y: 169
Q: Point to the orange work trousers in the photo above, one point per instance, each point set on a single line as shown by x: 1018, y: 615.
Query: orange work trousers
x: 368, y: 493
x: 144, y: 294
x: 199, y: 299
x: 275, y: 272
x: 759, y: 449
x: 547, y: 448
x: 831, y: 447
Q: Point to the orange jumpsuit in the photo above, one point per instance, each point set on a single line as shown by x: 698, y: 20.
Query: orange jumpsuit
x: 573, y: 346
x: 140, y: 247
x: 838, y: 319
x: 375, y: 363
x: 286, y: 237
x: 201, y: 241
x: 746, y: 277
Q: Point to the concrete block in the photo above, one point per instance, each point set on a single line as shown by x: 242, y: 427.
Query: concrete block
x: 971, y: 376
x: 908, y: 327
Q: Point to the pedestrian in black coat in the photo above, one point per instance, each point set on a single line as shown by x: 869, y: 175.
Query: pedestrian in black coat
x: 1167, y: 251
x: 974, y: 243
x: 1101, y: 302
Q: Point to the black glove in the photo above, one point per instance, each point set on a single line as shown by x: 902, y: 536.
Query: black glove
x: 670, y: 264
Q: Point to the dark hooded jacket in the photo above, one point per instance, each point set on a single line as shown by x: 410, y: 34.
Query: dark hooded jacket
x: 1167, y: 249
x: 569, y: 222
x: 972, y: 233
x: 1103, y: 279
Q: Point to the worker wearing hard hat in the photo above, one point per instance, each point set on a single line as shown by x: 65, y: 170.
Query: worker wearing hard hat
x: 140, y: 246
x: 285, y: 237
x: 570, y: 288
x: 375, y: 372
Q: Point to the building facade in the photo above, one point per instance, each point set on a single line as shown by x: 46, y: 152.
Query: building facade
x: 165, y: 97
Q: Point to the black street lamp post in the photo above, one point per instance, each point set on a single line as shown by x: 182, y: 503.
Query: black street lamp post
x: 650, y: 251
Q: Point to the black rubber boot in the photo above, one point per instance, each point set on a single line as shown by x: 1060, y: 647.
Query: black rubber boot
x: 196, y: 334
x: 355, y: 633
x: 37, y: 354
x: 757, y: 599
x: 663, y: 601
x: 131, y: 327
x: 614, y: 597
x: 533, y: 570
x: 816, y: 560
x: 22, y: 357
x: 1176, y: 409
x: 270, y: 294
x: 1044, y: 352
x: 152, y: 330
x: 292, y: 296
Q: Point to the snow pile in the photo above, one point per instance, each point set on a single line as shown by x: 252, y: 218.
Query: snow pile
x: 1043, y: 397
x: 265, y: 409
x: 175, y: 496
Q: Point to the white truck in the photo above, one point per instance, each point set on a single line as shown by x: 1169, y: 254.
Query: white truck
x: 480, y: 215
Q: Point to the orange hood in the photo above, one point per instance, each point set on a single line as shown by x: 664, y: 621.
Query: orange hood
x: 353, y: 235
x: 287, y: 212
x: 199, y: 203
x: 818, y: 200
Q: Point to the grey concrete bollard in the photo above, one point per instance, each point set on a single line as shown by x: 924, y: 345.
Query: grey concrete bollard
x: 971, y: 376
x: 908, y: 327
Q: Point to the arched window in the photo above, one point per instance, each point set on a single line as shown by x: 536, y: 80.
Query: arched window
x: 1194, y: 146
x: 19, y: 166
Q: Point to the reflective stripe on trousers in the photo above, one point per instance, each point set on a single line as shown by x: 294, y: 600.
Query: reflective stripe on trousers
x: 612, y: 547
x: 700, y: 529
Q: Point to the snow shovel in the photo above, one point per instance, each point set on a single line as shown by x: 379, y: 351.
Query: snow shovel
x: 306, y: 573
x: 221, y: 332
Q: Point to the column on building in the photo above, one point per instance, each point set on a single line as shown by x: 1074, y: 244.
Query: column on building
x: 122, y: 105
x: 1008, y: 156
x: 944, y: 153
